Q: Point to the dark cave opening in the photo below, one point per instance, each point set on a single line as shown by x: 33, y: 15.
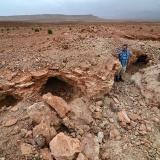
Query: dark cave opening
x: 58, y: 87
x: 8, y: 100
x: 140, y: 63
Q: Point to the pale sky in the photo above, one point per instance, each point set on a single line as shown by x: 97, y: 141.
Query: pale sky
x: 139, y: 9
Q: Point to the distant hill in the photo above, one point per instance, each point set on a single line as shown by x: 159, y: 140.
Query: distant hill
x: 52, y: 18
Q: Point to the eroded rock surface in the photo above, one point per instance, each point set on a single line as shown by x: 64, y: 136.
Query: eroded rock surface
x: 148, y: 82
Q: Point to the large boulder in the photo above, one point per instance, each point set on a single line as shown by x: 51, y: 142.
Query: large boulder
x: 80, y: 113
x: 149, y: 83
x: 90, y: 146
x: 64, y: 147
x: 59, y: 104
x: 41, y: 111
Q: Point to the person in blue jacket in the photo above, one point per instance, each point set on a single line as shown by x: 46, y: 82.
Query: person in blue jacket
x: 124, y: 55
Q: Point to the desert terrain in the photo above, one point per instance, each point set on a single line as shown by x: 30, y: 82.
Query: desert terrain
x: 59, y: 99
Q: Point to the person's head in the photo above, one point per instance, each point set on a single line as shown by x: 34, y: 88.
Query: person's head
x: 125, y: 47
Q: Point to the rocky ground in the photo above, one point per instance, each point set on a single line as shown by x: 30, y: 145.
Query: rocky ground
x: 59, y: 100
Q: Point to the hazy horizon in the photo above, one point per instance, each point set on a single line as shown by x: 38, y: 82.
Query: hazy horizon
x: 109, y: 9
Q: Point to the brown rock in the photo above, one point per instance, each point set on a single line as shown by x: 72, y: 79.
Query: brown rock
x: 123, y: 117
x: 97, y: 115
x: 24, y: 79
x: 143, y: 128
x: 99, y: 103
x: 80, y: 114
x: 64, y: 147
x: 60, y: 105
x: 46, y: 154
x: 81, y: 157
x: 29, y: 134
x: 14, y: 109
x: 10, y: 122
x: 114, y: 107
x: 90, y: 147
x: 134, y: 117
x: 39, y: 74
x: 25, y: 85
x: 26, y: 149
x: 44, y: 129
x: 114, y: 133
x: 40, y: 111
x: 40, y: 141
x: 5, y: 85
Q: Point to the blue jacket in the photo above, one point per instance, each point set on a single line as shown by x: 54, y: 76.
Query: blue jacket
x: 124, y: 56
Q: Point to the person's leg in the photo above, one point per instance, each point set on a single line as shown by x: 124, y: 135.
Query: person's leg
x: 122, y: 73
x: 119, y: 73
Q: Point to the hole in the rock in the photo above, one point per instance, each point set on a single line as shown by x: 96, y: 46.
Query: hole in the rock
x: 58, y: 87
x: 140, y: 63
x: 8, y: 100
x: 142, y: 60
x: 63, y: 128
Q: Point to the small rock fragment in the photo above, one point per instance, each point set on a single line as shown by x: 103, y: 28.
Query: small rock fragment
x: 114, y: 134
x: 46, y: 154
x: 10, y: 122
x: 99, y: 103
x: 39, y: 74
x: 40, y: 141
x: 97, y: 115
x: 123, y: 117
x: 14, y: 109
x: 100, y: 137
x: 81, y: 157
x: 114, y: 107
x: 26, y: 149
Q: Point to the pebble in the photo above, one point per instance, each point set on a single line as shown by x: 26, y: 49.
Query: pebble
x: 97, y: 115
x: 155, y: 119
x: 14, y: 109
x: 116, y: 100
x: 99, y: 103
x: 23, y: 133
x: 111, y: 120
x: 100, y: 137
x: 40, y: 141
